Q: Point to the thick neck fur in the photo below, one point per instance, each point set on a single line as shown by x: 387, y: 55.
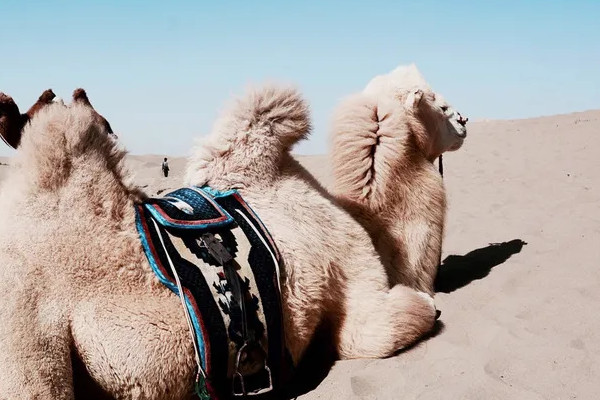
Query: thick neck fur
x: 378, y: 151
x: 65, y: 157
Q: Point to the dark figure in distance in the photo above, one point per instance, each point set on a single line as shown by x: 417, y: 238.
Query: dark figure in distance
x: 165, y: 167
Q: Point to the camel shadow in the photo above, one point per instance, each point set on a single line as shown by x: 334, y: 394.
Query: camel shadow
x: 458, y: 271
x: 314, y: 366
x: 455, y: 272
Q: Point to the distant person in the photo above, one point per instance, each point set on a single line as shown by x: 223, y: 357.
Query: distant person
x: 165, y: 167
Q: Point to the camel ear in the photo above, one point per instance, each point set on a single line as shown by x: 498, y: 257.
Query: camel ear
x: 414, y: 99
x: 10, y: 121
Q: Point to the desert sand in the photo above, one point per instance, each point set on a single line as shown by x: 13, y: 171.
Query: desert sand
x: 519, y: 321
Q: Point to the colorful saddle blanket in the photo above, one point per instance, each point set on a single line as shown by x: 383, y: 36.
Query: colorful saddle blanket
x: 212, y: 247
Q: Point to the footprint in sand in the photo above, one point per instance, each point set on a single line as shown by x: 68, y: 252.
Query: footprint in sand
x: 577, y: 344
x: 363, y: 387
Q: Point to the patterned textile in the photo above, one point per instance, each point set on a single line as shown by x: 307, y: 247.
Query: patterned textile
x: 211, y: 246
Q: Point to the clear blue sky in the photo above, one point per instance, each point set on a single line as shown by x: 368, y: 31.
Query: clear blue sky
x: 160, y: 71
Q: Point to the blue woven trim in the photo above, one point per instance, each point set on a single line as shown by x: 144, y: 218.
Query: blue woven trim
x: 171, y: 286
x: 208, y: 194
x: 163, y: 222
x: 216, y: 193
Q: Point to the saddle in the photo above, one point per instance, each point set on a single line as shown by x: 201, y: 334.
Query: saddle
x: 213, y: 251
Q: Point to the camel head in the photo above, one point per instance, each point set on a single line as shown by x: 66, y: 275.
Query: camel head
x: 12, y: 122
x: 445, y: 128
x: 438, y: 127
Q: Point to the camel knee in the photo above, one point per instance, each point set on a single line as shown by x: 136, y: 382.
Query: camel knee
x: 381, y: 325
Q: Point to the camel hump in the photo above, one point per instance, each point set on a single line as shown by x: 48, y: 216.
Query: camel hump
x: 47, y: 96
x: 250, y: 140
x: 80, y: 96
x: 274, y: 111
x: 45, y: 99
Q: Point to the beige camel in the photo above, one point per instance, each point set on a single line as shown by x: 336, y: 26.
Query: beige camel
x: 83, y: 313
x: 385, y: 140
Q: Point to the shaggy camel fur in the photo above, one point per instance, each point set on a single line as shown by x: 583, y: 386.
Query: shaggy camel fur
x: 83, y: 313
x: 12, y: 122
x: 80, y: 96
x: 385, y: 140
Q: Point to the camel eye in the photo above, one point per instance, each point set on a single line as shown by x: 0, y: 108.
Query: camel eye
x: 444, y: 108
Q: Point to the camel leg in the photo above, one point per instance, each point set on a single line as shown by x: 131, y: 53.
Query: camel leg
x: 418, y: 249
x: 381, y: 321
x: 35, y: 358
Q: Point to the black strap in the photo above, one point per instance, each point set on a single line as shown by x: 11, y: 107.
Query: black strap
x: 230, y: 267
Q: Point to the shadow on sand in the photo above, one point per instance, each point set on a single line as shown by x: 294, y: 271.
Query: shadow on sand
x: 454, y: 273
x: 314, y: 366
x: 458, y: 271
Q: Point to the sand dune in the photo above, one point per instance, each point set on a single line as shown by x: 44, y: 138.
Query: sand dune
x: 518, y: 320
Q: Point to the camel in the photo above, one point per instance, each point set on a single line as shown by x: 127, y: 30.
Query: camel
x: 384, y: 142
x: 83, y: 315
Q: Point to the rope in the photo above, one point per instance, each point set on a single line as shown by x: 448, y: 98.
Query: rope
x: 441, y: 169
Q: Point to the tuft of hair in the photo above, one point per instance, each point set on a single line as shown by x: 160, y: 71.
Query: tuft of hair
x: 80, y: 97
x: 45, y: 98
x: 248, y: 142
x: 399, y: 82
x: 278, y: 113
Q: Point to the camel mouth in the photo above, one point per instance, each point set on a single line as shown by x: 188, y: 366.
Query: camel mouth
x: 456, y: 146
x: 459, y: 130
x: 461, y: 134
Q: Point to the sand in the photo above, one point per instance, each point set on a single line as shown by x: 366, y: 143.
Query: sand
x: 519, y: 321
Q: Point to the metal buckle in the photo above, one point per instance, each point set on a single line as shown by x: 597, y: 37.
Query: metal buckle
x: 239, y: 377
x: 216, y: 249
